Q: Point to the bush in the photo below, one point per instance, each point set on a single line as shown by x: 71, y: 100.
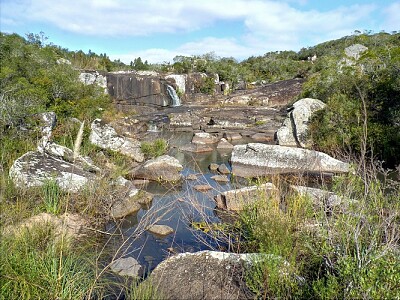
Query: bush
x: 154, y: 149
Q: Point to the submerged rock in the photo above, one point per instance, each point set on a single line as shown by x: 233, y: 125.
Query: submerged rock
x: 104, y: 136
x: 162, y: 168
x: 196, y: 148
x: 202, y: 187
x: 237, y: 200
x: 294, y: 131
x: 34, y: 169
x: 253, y: 160
x: 162, y: 230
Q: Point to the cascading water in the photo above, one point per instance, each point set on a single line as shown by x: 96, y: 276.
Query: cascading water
x: 172, y: 93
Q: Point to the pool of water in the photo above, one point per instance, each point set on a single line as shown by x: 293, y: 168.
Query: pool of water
x: 176, y: 206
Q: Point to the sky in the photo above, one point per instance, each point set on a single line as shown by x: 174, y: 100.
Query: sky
x: 157, y: 31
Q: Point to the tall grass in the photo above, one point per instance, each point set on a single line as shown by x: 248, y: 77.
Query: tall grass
x: 36, y: 265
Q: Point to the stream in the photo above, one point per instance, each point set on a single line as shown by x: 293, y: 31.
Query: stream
x: 176, y: 206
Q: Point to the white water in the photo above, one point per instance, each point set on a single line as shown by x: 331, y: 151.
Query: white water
x: 172, y: 93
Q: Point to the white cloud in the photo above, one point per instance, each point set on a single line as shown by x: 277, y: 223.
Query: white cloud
x: 268, y: 25
x: 392, y: 17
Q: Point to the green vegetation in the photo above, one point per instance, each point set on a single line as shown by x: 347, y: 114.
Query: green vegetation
x: 348, y: 251
x: 35, y: 264
x: 154, y: 149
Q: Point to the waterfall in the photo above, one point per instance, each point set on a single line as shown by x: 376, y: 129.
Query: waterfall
x: 172, y: 93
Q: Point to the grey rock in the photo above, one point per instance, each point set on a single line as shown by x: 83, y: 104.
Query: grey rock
x: 203, y: 275
x: 254, y: 159
x: 262, y: 137
x: 320, y: 198
x: 162, y: 168
x: 124, y: 207
x: 204, y: 138
x: 104, y: 136
x: 237, y: 200
x: 223, y: 144
x: 127, y: 267
x: 294, y: 131
x: 191, y: 177
x: 161, y: 230
x: 34, y: 168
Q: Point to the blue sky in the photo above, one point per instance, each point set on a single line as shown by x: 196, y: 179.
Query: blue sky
x: 157, y: 31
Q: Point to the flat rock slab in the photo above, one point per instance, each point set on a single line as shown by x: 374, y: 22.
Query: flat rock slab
x: 237, y: 200
x: 162, y: 230
x: 204, y: 138
x: 33, y: 169
x: 127, y: 267
x: 202, y: 187
x: 220, y: 178
x: 254, y: 160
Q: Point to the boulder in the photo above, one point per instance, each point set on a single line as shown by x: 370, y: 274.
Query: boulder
x: 196, y: 148
x: 125, y: 206
x: 34, y: 168
x: 204, y: 138
x: 253, y: 160
x: 162, y: 168
x: 294, y: 131
x: 237, y: 200
x: 127, y: 266
x: 104, y: 136
x: 191, y: 177
x: 232, y: 136
x: 161, y: 230
x: 223, y: 144
x: 203, y: 275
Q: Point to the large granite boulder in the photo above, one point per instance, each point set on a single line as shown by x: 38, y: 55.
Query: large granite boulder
x: 34, y: 169
x: 254, y: 159
x: 94, y: 77
x: 162, y: 168
x: 237, y: 200
x: 294, y: 131
x: 104, y: 136
x: 202, y: 275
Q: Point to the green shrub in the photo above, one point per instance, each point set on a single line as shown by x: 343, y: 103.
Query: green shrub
x: 154, y: 149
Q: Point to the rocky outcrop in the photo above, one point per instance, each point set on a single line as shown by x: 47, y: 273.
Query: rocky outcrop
x: 237, y: 200
x: 275, y: 94
x: 104, y: 136
x: 162, y: 168
x: 203, y: 275
x: 253, y: 160
x: 94, y: 77
x: 34, y: 169
x: 294, y: 131
x: 136, y: 88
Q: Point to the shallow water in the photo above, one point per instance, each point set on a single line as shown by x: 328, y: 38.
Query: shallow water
x: 176, y: 206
